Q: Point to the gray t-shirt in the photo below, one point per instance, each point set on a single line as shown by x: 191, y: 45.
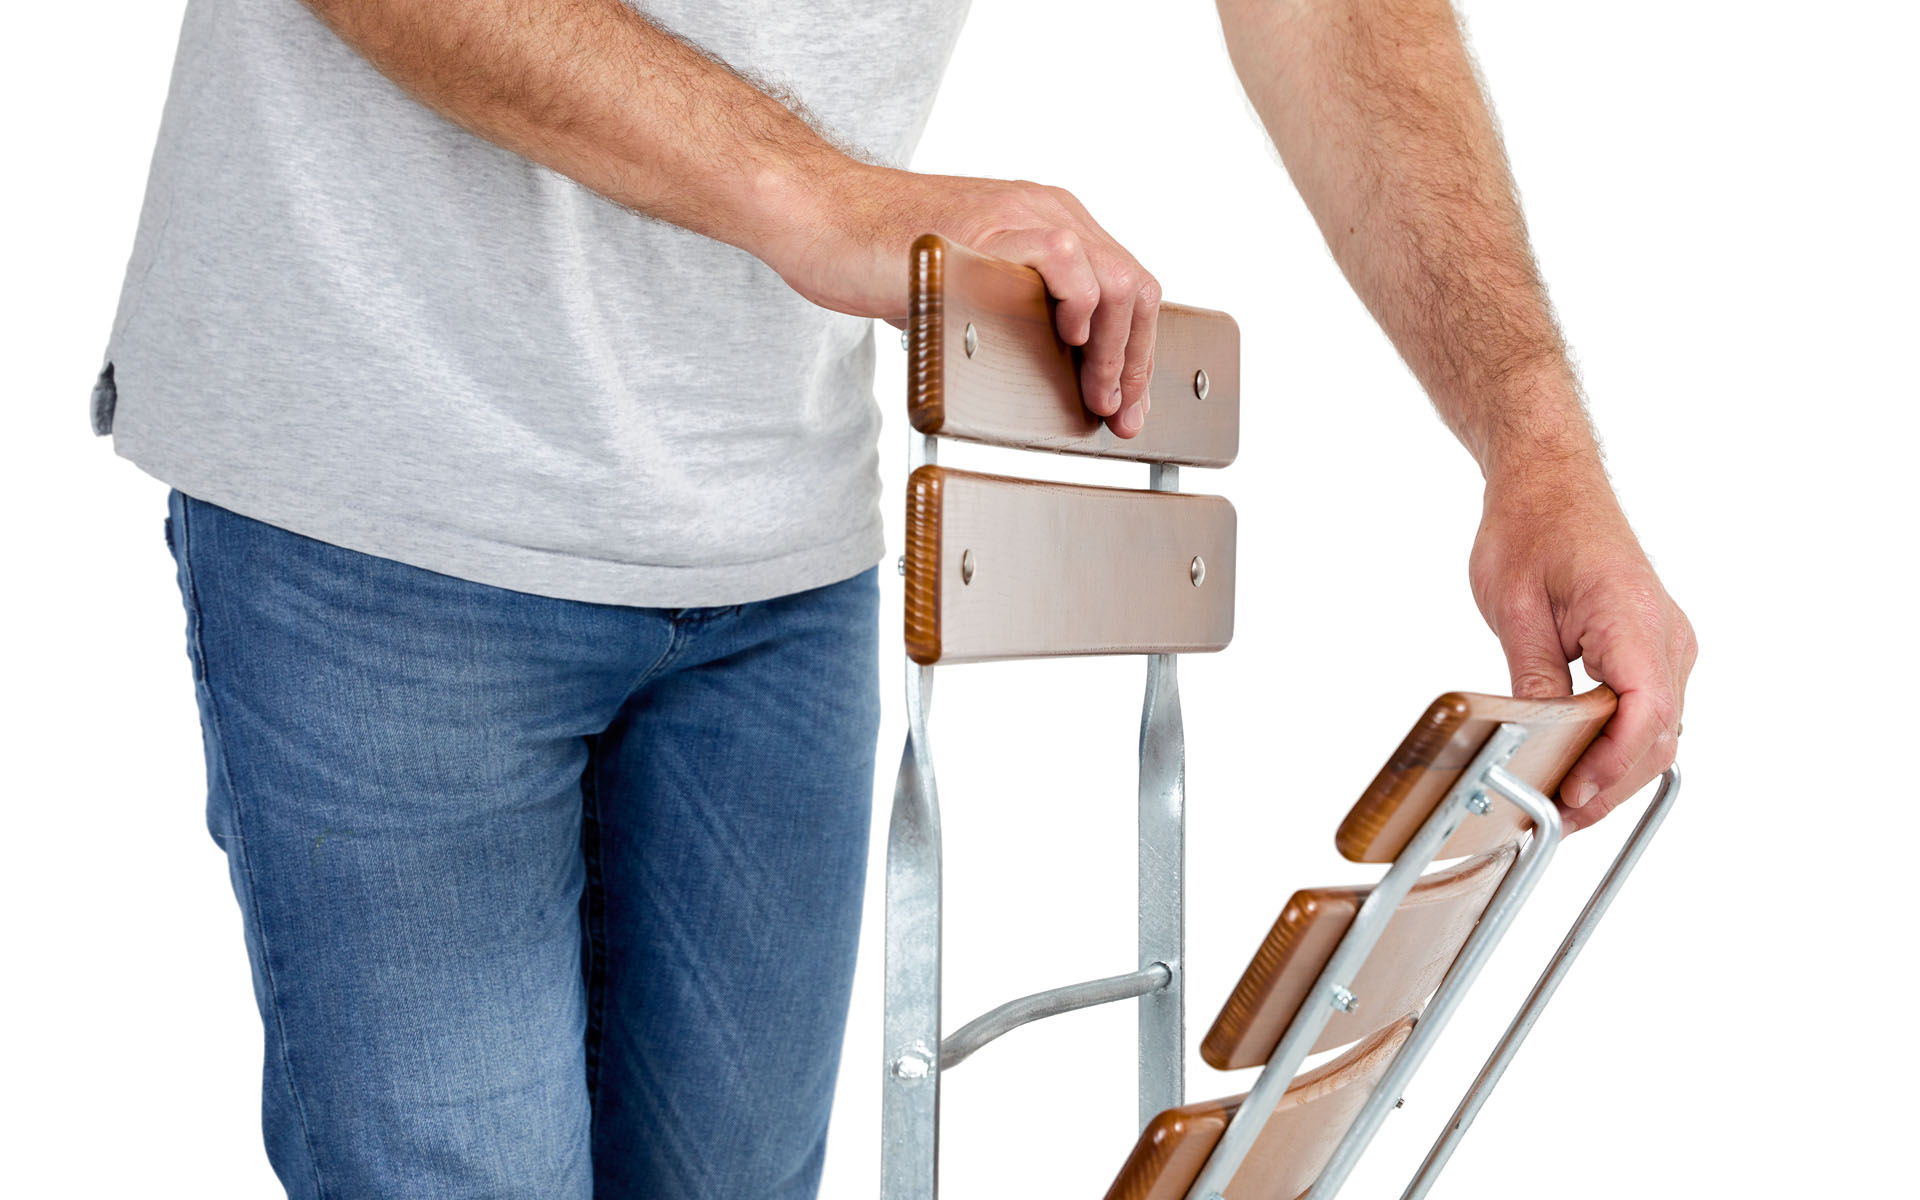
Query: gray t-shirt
x: 348, y: 317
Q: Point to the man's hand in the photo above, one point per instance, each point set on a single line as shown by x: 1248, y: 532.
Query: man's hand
x: 852, y: 230
x: 1559, y: 576
x: 1376, y: 111
x: 595, y: 90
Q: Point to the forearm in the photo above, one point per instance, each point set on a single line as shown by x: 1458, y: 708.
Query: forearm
x: 597, y: 92
x: 1379, y: 118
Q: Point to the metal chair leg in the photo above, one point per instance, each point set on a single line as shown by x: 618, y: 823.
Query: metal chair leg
x: 910, y: 1102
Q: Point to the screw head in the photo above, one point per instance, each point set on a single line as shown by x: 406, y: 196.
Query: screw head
x: 972, y: 339
x: 1197, y: 570
x: 912, y: 1066
x: 901, y: 565
x: 1478, y: 804
x: 903, y: 339
x: 966, y: 567
x: 1345, y: 1000
x: 1200, y: 384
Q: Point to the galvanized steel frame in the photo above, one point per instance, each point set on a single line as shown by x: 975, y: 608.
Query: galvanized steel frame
x: 1469, y: 797
x: 914, y: 1052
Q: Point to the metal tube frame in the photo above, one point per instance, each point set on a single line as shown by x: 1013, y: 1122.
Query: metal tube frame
x: 960, y: 1045
x: 1506, y: 902
x: 1583, y: 926
x: 1486, y: 774
x: 914, y: 1052
x: 1332, y: 990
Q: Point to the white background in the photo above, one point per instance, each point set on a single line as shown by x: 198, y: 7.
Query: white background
x: 1722, y: 199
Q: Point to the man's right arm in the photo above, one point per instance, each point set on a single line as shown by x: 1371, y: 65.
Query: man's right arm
x: 597, y: 92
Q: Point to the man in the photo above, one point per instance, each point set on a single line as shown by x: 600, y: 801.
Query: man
x: 527, y: 545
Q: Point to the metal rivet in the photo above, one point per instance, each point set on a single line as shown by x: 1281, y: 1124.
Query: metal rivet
x: 1345, y: 1000
x: 973, y: 339
x: 1400, y: 1103
x: 966, y: 566
x: 901, y: 566
x: 1200, y: 384
x: 1197, y: 570
x: 1478, y: 803
x: 903, y: 339
x: 911, y: 1066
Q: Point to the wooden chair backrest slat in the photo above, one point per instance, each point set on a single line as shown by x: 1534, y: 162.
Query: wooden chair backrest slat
x: 1294, y: 1145
x: 1406, y: 964
x: 1020, y: 385
x: 1429, y: 761
x: 1011, y: 568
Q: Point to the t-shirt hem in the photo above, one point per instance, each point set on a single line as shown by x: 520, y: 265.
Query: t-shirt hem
x: 555, y: 574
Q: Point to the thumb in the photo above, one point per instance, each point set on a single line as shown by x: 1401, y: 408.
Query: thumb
x: 1534, y: 659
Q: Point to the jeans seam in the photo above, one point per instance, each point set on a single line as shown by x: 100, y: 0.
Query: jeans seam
x: 676, y: 641
x: 593, y: 918
x: 184, y: 533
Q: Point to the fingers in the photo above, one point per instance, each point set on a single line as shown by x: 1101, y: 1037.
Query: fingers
x: 1573, y: 820
x: 1136, y: 376
x: 1061, y: 258
x: 1643, y: 737
x: 1117, y: 362
x: 1107, y: 304
x: 1535, y: 660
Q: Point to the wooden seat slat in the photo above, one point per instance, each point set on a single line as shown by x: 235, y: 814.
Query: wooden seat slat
x: 1293, y: 1146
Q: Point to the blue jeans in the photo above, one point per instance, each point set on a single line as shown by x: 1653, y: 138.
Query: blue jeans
x: 544, y: 899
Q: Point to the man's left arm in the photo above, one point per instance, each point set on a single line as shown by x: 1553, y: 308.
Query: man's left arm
x: 1380, y: 119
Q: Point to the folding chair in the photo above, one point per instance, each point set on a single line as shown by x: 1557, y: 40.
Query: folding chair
x: 999, y: 568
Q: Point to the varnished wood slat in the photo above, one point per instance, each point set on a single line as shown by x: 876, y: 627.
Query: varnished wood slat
x: 1292, y: 1148
x: 1424, y: 769
x: 1406, y: 964
x: 1060, y: 569
x: 1021, y: 385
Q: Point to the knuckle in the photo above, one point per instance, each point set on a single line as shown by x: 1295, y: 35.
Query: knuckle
x: 1062, y: 243
x: 1149, y: 293
x: 1531, y: 684
x: 1122, y: 279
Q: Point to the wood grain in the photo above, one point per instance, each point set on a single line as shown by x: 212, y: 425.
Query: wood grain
x: 1423, y: 770
x: 1415, y: 950
x: 1021, y: 385
x: 1060, y: 569
x: 1294, y: 1145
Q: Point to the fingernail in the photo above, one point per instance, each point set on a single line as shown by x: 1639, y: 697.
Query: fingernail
x: 1113, y: 401
x: 1132, y: 419
x: 1582, y: 792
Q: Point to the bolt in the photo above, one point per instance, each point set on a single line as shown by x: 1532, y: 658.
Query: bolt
x: 1200, y: 384
x: 1400, y: 1103
x: 901, y: 566
x: 972, y: 339
x: 966, y: 567
x: 903, y: 339
x: 912, y: 1066
x: 1478, y: 804
x: 1344, y: 1000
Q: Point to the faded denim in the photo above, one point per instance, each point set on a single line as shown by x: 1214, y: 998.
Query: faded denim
x: 544, y: 899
